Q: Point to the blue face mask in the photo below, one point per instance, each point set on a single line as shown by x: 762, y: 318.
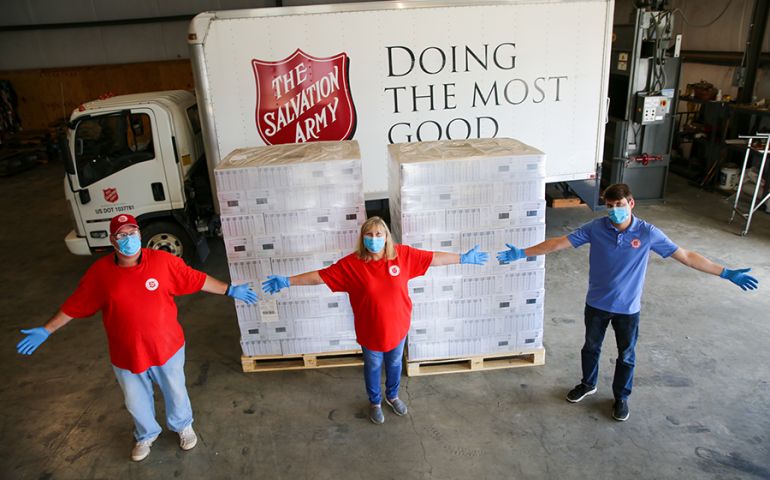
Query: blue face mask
x: 618, y: 215
x: 129, y: 245
x: 374, y: 244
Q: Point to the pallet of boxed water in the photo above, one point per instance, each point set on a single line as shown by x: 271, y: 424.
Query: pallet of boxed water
x: 453, y: 195
x: 288, y: 209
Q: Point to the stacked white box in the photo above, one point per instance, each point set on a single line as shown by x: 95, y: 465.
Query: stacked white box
x: 450, y: 196
x: 285, y: 210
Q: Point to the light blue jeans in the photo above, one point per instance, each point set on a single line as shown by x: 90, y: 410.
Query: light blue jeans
x: 373, y: 361
x: 138, y: 393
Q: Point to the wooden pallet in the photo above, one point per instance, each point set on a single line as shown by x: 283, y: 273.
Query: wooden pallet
x: 555, y: 198
x: 478, y: 363
x: 273, y: 363
x: 563, y: 202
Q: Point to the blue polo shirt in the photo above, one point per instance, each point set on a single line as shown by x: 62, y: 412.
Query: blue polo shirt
x: 618, y: 261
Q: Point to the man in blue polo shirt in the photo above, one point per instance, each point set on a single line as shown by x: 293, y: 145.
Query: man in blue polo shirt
x: 620, y: 249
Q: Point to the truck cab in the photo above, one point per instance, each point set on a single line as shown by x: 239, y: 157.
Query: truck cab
x: 140, y: 154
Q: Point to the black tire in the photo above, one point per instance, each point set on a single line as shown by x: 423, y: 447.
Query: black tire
x: 170, y: 237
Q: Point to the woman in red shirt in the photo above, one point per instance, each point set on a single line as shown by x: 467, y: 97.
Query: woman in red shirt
x: 375, y: 278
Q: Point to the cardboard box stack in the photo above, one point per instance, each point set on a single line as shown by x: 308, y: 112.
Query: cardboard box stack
x: 451, y: 196
x: 289, y: 209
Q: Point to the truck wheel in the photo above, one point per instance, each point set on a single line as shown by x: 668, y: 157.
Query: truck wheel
x: 169, y: 237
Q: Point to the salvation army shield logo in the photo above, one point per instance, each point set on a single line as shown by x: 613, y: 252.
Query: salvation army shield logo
x: 110, y: 194
x: 304, y: 99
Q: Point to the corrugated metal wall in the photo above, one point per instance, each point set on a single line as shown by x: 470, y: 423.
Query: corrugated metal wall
x: 115, y: 32
x: 58, y: 54
x: 96, y: 43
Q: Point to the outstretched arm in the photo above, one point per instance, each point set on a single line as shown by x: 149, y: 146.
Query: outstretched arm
x: 59, y: 320
x: 212, y: 285
x: 241, y: 292
x: 275, y: 283
x: 547, y: 246
x: 697, y: 261
x: 307, y: 278
x: 543, y: 248
x: 36, y: 336
x: 444, y: 258
x: 472, y: 256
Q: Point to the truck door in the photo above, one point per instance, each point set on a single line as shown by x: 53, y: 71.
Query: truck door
x: 118, y: 169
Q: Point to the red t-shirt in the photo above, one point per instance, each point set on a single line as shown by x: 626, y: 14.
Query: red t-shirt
x: 378, y: 294
x: 137, y: 305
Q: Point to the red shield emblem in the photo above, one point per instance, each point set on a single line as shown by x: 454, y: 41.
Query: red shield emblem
x: 110, y: 194
x: 304, y: 99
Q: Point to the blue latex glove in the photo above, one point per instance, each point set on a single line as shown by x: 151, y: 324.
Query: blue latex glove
x: 510, y: 255
x: 740, y: 278
x: 34, y: 338
x: 474, y: 257
x: 275, y: 283
x: 243, y: 293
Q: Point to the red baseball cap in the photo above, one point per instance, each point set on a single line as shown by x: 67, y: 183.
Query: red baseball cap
x: 121, y: 220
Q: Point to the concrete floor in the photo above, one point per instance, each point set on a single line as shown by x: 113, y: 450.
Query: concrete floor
x: 699, y: 409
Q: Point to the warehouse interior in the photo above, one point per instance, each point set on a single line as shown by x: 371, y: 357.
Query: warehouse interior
x: 701, y: 392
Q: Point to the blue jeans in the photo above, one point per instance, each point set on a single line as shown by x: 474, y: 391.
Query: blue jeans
x: 626, y: 329
x: 138, y: 394
x: 373, y: 361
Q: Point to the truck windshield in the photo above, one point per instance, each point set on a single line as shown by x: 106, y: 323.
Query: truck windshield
x: 107, y: 144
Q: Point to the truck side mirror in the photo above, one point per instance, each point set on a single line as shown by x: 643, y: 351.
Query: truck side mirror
x: 136, y: 125
x: 64, y: 149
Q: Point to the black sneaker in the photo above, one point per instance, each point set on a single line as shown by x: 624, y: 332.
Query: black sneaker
x: 580, y: 392
x: 620, y: 410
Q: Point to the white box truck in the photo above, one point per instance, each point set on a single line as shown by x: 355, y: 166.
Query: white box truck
x: 378, y: 72
x: 140, y: 154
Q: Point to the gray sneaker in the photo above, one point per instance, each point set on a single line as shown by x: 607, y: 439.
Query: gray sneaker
x: 187, y: 438
x: 398, y: 406
x: 142, y: 449
x: 376, y: 415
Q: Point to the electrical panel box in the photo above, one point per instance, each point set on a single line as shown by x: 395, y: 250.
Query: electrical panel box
x: 651, y: 109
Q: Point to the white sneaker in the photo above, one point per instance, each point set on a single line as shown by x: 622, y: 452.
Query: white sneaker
x: 142, y: 449
x: 187, y: 438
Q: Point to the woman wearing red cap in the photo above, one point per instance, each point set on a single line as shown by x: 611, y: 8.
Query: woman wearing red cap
x: 134, y: 289
x: 375, y: 278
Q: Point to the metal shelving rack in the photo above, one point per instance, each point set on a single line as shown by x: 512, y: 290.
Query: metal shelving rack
x: 754, y: 206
